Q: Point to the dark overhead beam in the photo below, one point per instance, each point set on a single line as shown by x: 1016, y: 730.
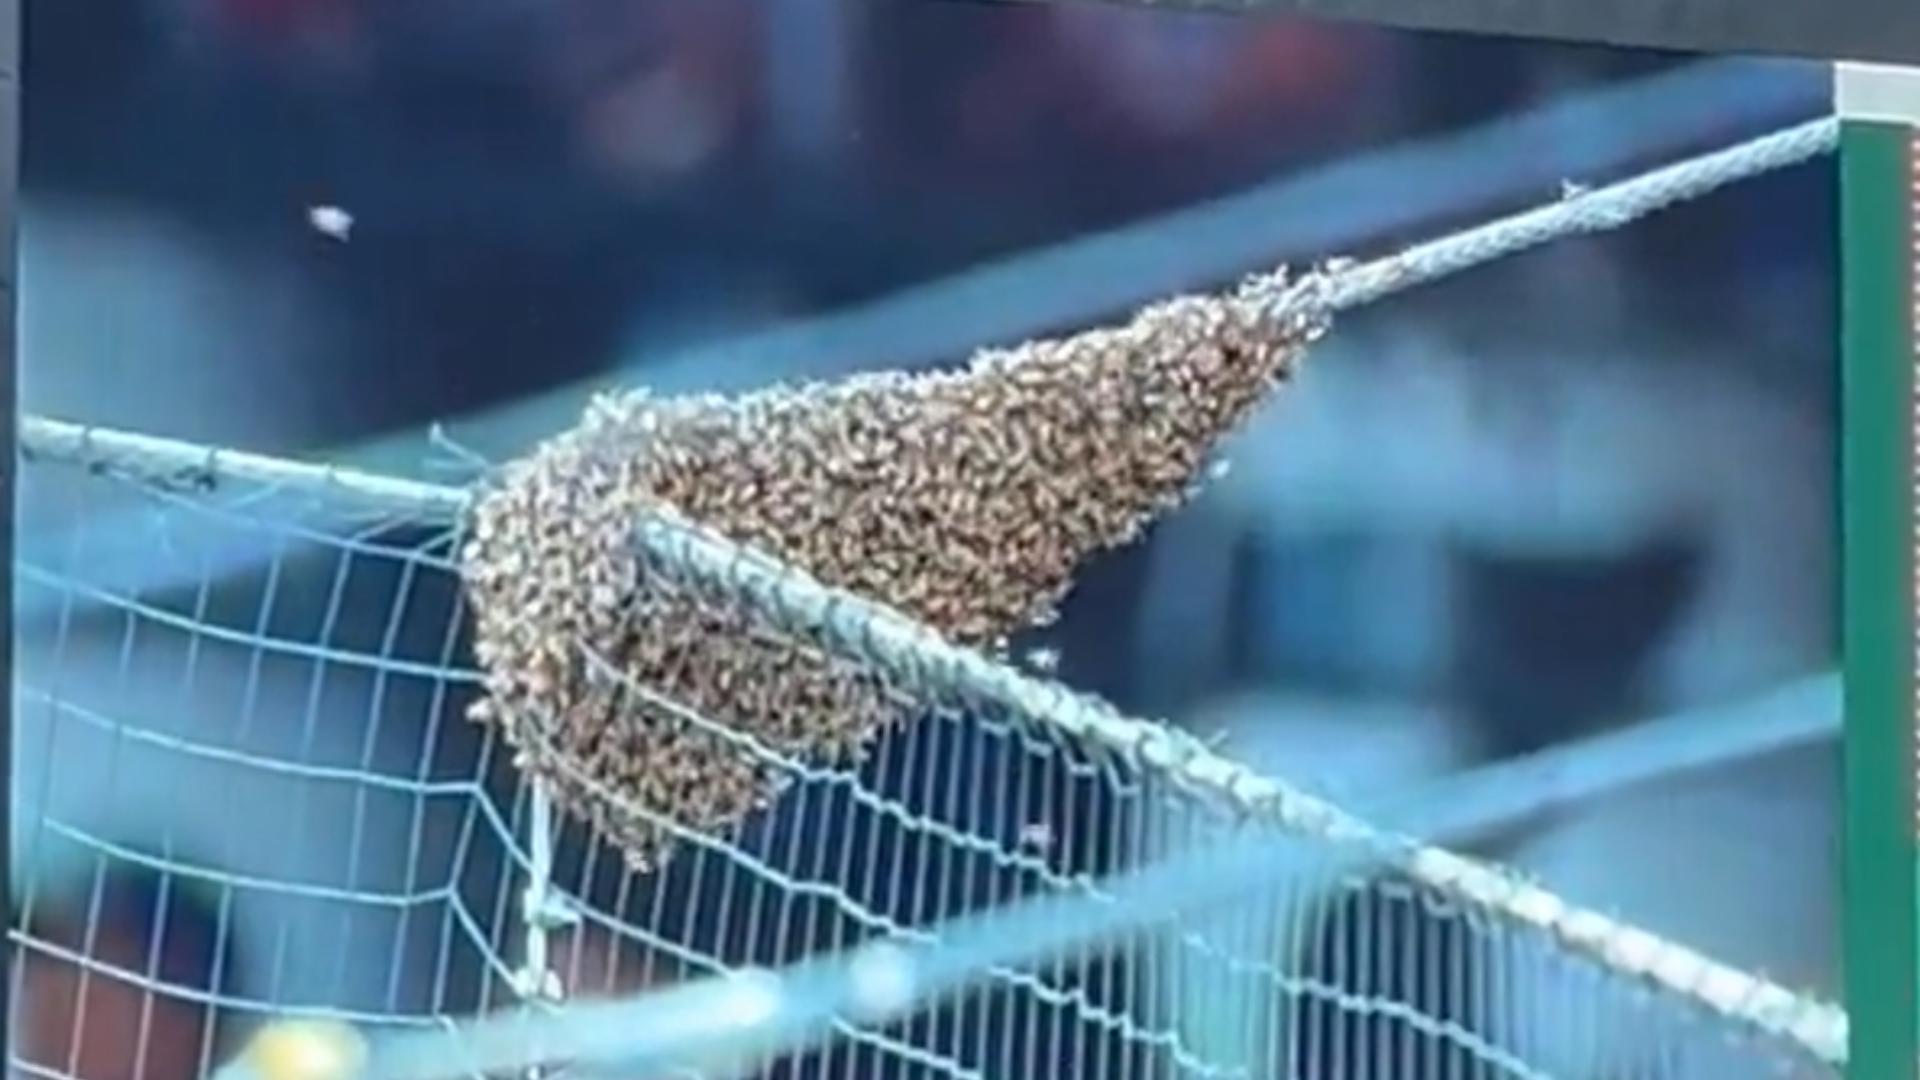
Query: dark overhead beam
x: 1870, y: 30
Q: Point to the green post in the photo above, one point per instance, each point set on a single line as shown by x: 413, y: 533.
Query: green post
x: 1880, y: 115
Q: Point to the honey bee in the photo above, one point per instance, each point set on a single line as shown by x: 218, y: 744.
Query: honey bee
x: 1044, y: 659
x: 1037, y: 836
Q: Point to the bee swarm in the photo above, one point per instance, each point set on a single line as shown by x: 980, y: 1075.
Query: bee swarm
x: 965, y: 499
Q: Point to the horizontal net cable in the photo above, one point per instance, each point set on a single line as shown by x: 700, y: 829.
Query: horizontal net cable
x: 1582, y: 211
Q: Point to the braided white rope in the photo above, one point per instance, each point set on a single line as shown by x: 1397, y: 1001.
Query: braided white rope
x: 176, y: 465
x: 920, y: 660
x: 1593, y: 210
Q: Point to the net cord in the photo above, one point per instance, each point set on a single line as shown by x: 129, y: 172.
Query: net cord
x: 1581, y: 211
x: 923, y: 662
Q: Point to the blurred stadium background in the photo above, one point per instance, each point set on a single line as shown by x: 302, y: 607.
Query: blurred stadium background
x: 1581, y: 488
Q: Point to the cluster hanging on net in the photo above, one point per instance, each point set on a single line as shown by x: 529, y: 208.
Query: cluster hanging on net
x: 965, y: 499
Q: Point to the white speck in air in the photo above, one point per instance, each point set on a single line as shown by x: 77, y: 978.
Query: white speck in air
x: 331, y: 221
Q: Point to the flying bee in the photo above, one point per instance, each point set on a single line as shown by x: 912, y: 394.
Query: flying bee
x: 331, y: 222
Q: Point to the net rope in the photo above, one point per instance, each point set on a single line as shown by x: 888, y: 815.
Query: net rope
x: 1107, y: 784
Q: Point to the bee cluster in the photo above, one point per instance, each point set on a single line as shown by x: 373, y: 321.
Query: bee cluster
x: 965, y: 499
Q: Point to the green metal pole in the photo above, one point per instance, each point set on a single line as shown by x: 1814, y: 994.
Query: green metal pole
x: 1880, y: 115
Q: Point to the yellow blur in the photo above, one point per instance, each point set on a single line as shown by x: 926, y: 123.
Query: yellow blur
x: 304, y: 1050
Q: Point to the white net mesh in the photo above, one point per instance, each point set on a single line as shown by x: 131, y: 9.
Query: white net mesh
x: 245, y: 790
x: 247, y: 785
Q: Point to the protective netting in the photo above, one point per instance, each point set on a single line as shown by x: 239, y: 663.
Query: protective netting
x: 246, y: 789
x: 285, y: 748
